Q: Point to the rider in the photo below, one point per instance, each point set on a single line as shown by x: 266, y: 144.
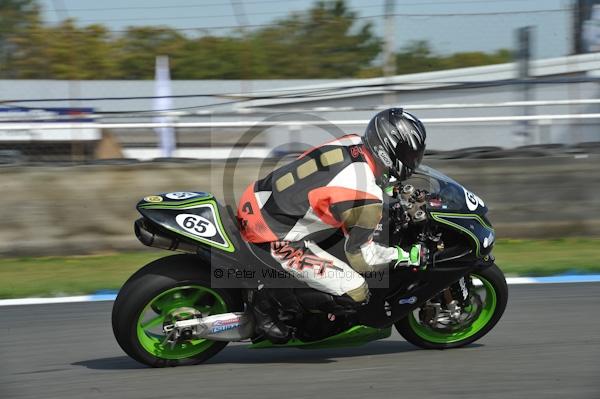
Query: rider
x: 337, y: 185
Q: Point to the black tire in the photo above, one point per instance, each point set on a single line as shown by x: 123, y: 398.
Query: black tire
x: 147, y: 283
x: 495, y: 277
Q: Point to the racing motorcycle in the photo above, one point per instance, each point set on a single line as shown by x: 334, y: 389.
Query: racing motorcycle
x: 173, y: 311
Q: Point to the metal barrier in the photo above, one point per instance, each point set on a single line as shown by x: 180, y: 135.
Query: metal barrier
x: 249, y: 124
x: 265, y: 110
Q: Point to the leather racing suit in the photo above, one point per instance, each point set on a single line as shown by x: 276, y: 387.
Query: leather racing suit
x: 332, y: 186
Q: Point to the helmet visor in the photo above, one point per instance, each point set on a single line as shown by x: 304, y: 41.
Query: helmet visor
x: 410, y: 157
x: 401, y: 171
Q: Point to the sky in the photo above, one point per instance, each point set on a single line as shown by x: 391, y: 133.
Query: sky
x: 446, y: 33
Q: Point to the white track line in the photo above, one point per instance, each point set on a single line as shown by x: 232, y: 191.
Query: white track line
x: 589, y: 278
x: 64, y: 299
x: 520, y: 280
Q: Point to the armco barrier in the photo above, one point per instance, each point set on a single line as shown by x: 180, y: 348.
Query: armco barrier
x: 89, y: 208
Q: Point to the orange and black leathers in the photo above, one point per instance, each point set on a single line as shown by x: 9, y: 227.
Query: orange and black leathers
x: 329, y: 187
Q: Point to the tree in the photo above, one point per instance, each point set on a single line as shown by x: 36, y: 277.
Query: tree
x: 326, y: 41
x: 80, y: 53
x: 18, y: 19
x: 138, y: 48
x: 209, y: 57
x: 418, y: 56
x: 322, y: 43
x: 476, y: 58
x: 63, y: 51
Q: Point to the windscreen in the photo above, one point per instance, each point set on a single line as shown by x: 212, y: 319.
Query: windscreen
x: 448, y: 195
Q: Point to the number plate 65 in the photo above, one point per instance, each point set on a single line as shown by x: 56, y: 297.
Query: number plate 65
x: 196, y: 225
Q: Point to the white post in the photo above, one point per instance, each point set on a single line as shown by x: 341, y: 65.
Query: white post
x: 163, y: 102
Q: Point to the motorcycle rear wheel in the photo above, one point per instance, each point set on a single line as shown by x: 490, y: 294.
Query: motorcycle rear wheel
x: 174, y: 287
x: 488, y: 314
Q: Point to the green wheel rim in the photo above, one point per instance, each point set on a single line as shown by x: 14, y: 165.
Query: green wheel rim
x: 477, y: 325
x: 151, y: 318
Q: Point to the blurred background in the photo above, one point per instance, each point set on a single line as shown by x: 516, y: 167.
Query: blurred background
x: 102, y: 103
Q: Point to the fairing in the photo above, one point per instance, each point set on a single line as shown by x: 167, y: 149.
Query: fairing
x: 192, y: 216
x: 455, y: 207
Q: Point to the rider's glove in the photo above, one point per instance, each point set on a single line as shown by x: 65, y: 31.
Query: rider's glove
x: 416, y: 258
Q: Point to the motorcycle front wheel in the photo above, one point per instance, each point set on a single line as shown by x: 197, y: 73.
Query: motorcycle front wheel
x: 488, y: 293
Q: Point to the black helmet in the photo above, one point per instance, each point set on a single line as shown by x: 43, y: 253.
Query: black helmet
x: 397, y: 140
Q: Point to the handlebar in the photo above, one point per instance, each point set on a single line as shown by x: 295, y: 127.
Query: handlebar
x: 408, y: 212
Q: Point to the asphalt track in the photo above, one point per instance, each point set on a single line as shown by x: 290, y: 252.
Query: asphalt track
x: 546, y: 346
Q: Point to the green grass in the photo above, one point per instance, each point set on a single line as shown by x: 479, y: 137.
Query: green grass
x: 548, y: 257
x: 69, y: 275
x: 72, y: 275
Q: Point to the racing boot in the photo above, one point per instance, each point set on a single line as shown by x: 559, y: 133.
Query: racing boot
x: 287, y: 303
x: 266, y: 318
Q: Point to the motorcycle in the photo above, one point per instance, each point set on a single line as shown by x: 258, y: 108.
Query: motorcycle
x: 171, y: 312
